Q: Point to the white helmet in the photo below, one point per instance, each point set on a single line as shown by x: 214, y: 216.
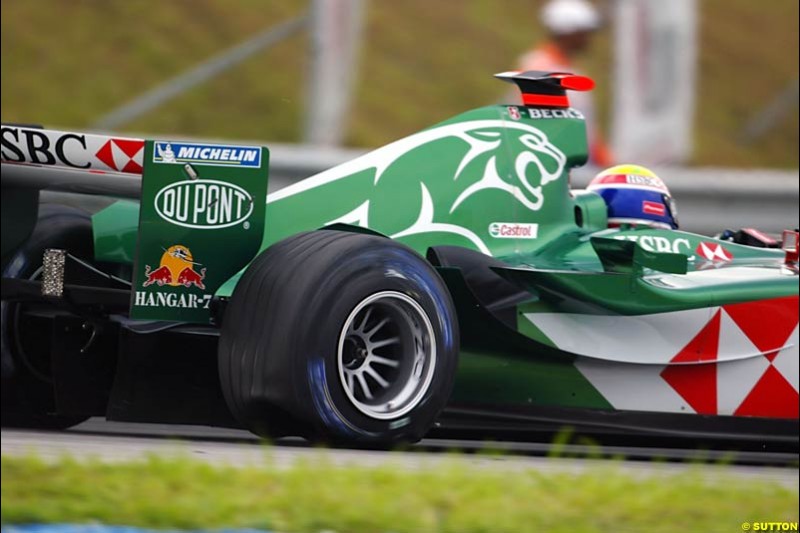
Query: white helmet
x: 569, y: 16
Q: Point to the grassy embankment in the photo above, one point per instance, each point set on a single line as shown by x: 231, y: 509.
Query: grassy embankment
x: 315, y: 495
x: 68, y: 63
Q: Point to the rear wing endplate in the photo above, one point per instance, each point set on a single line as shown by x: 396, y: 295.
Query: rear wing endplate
x: 201, y: 214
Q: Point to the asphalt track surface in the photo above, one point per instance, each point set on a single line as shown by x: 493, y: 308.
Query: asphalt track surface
x: 111, y: 441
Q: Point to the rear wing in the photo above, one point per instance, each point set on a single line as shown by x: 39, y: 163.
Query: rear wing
x: 546, y: 89
x: 36, y: 158
x: 200, y: 219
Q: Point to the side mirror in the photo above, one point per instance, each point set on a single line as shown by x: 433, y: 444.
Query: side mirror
x: 789, y: 244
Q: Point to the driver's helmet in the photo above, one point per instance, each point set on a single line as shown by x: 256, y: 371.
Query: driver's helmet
x: 635, y: 195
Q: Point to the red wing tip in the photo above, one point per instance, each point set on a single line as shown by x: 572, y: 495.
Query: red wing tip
x: 577, y: 83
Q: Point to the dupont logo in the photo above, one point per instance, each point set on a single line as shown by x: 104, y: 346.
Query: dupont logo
x: 513, y: 230
x: 204, y: 204
x: 207, y: 154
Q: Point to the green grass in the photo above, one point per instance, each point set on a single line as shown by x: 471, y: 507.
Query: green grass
x: 68, y: 63
x: 315, y: 495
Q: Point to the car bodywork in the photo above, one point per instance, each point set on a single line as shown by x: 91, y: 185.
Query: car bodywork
x: 563, y: 320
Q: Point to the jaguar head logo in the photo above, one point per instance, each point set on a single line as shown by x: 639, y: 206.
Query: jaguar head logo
x: 535, y: 162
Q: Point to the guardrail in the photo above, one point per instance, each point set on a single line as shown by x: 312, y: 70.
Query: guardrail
x: 709, y: 199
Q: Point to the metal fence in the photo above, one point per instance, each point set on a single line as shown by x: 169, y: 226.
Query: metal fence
x: 709, y: 199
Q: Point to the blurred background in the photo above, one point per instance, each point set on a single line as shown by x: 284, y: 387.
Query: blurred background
x: 416, y: 62
x: 693, y: 83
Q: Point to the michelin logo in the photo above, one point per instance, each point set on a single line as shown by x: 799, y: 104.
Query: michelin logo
x: 207, y: 154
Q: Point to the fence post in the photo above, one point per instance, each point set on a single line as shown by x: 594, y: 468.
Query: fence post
x: 335, y: 31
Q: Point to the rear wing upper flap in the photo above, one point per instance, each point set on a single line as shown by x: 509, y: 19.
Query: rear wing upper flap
x: 102, y: 164
x: 37, y: 158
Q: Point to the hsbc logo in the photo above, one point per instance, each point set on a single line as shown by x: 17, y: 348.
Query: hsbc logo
x: 513, y: 230
x: 648, y: 181
x: 73, y: 150
x: 122, y: 155
x: 713, y: 252
x: 21, y: 145
x: 659, y: 244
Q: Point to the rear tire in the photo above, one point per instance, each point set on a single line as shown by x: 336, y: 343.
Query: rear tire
x: 344, y: 337
x: 28, y: 394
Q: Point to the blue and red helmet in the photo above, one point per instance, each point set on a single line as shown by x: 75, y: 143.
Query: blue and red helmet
x: 635, y: 195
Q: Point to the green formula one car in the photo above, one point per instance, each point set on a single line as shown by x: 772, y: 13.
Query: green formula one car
x: 450, y: 280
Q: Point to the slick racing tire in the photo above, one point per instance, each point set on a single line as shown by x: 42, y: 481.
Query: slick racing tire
x: 352, y: 336
x: 27, y: 389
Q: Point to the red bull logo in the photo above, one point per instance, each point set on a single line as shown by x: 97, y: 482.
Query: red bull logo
x: 177, y: 268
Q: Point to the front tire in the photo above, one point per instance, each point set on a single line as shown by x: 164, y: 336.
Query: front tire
x: 339, y: 336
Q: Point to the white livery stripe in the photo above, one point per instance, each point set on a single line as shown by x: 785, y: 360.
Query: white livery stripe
x: 644, y: 339
x: 633, y: 387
